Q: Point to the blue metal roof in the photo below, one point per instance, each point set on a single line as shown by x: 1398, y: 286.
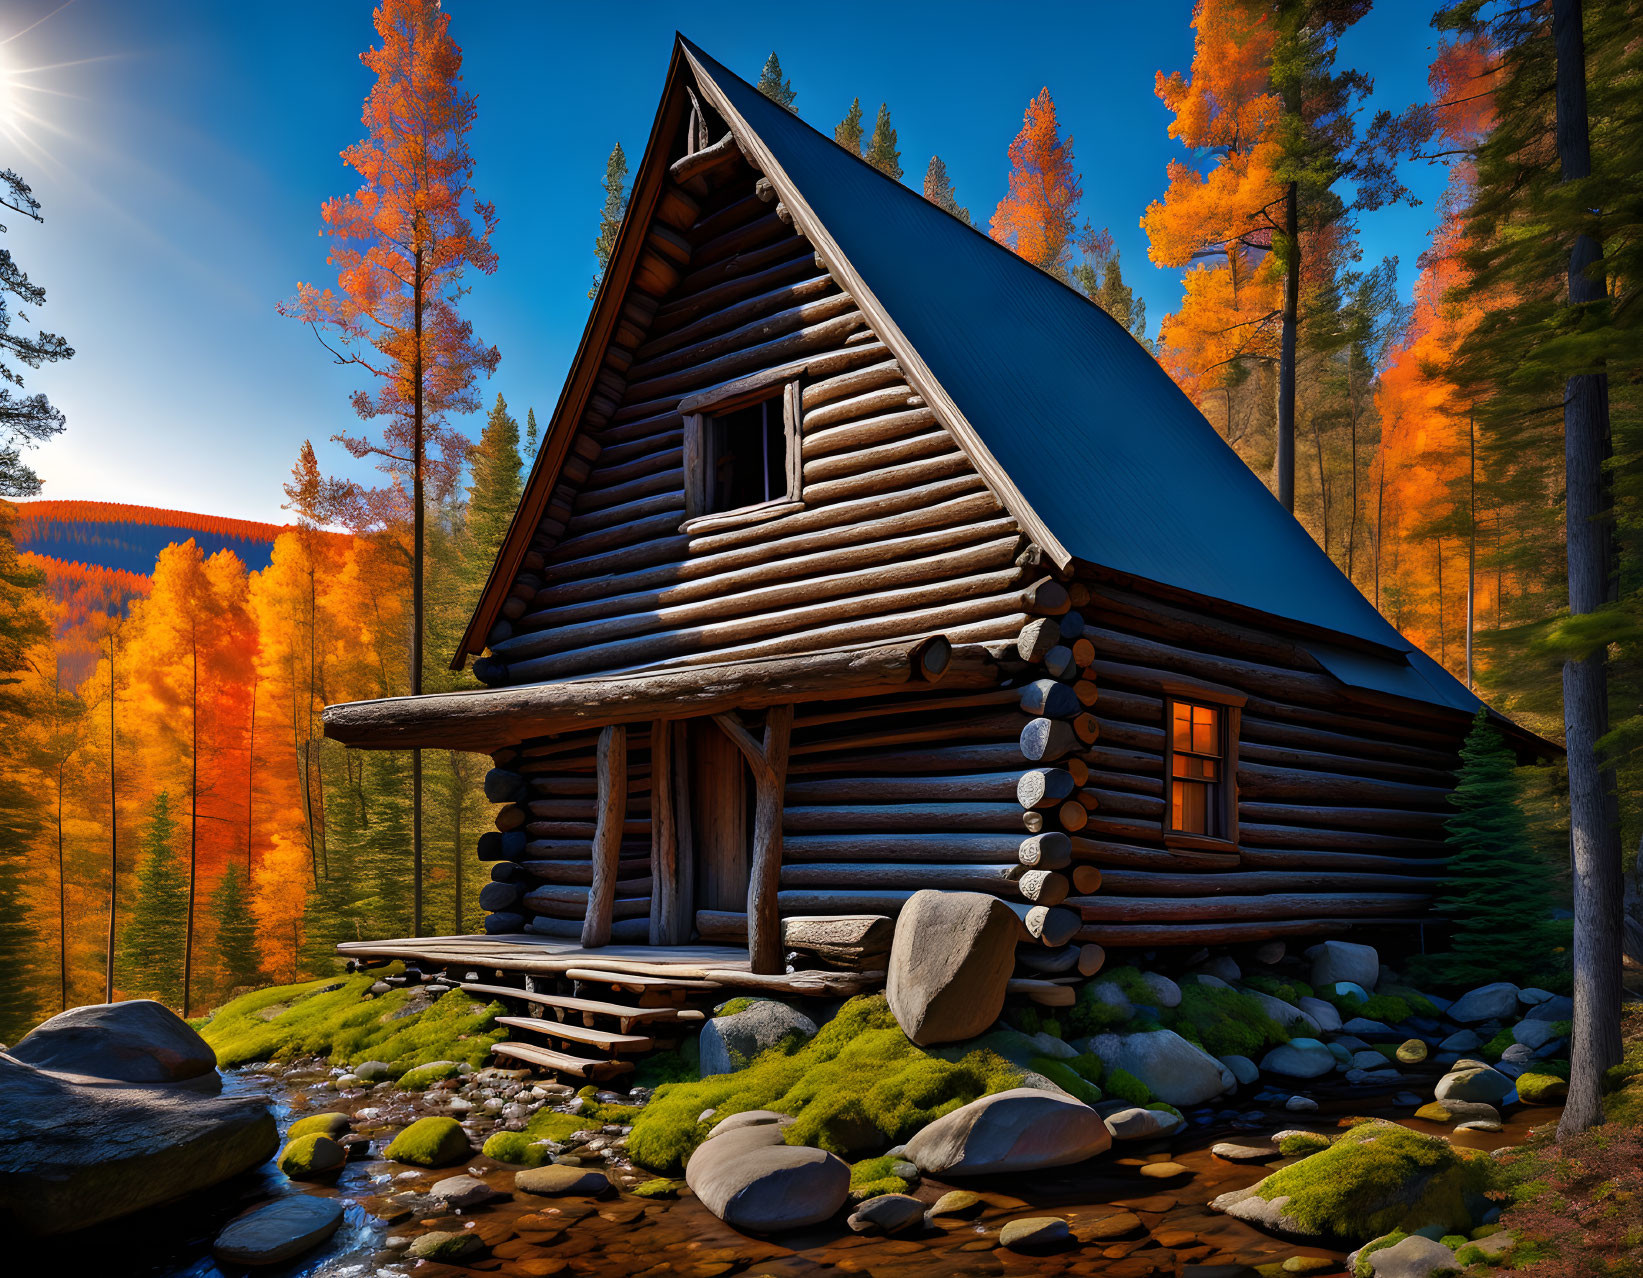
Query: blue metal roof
x: 1104, y: 448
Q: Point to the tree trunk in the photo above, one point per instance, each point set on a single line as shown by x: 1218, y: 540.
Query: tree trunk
x: 193, y: 815
x: 1380, y: 516
x: 460, y: 777
x: 1286, y: 348
x: 113, y: 826
x: 417, y: 530
x: 1471, y: 537
x: 62, y: 896
x: 1593, y: 828
x: 250, y: 775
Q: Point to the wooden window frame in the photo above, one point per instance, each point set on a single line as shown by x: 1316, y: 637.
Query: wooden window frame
x: 698, y: 410
x: 1231, y: 707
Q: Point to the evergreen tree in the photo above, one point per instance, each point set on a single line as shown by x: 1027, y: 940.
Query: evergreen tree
x: 1498, y: 890
x: 493, y: 491
x: 238, y: 964
x: 610, y: 217
x: 881, y: 152
x: 19, y: 941
x: 773, y: 86
x: 151, y: 947
x: 1101, y: 279
x: 530, y: 440
x: 848, y: 131
x: 24, y: 420
x: 938, y: 189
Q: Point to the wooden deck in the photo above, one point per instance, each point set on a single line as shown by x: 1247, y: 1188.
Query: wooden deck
x: 651, y: 967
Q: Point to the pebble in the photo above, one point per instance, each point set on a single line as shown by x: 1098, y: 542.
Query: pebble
x: 1033, y: 1233
x: 1300, y: 1104
x: 1162, y: 1171
x: 463, y: 1191
x: 956, y: 1202
x: 1309, y: 1265
x: 1114, y: 1226
x: 1244, y: 1153
x: 558, y: 1178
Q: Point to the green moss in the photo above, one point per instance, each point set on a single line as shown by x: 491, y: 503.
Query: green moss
x: 1128, y: 980
x: 1223, y: 1022
x: 332, y: 1125
x: 1380, y: 1176
x: 1538, y: 1088
x: 1300, y: 1144
x: 516, y: 1148
x: 550, y: 1124
x: 1417, y: 1002
x: 1126, y: 1086
x: 1289, y: 991
x: 872, y: 1177
x: 1164, y: 1108
x: 1090, y: 1015
x: 312, y: 1155
x: 601, y: 1112
x: 657, y: 1068
x: 1060, y: 1072
x: 334, y: 1019
x: 1389, y: 1009
x: 661, y: 1187
x: 1363, y: 1268
x: 1454, y: 1241
x: 1496, y: 1047
x: 857, y: 1083
x: 430, y: 1142
x: 735, y: 1005
x: 423, y: 1077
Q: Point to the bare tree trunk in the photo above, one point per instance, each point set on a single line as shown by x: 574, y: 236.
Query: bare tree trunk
x: 1291, y: 321
x: 1380, y: 516
x: 113, y: 825
x: 250, y: 774
x: 1443, y: 647
x: 193, y: 817
x: 417, y: 530
x: 1593, y: 825
x: 62, y: 894
x: 1471, y: 536
x: 1352, y: 424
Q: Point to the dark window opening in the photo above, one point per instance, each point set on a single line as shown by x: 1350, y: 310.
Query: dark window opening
x: 1197, y: 769
x: 746, y: 457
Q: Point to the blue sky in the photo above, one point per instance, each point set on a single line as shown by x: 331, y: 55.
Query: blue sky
x: 182, y: 149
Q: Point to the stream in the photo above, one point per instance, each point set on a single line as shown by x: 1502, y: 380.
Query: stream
x: 1126, y: 1223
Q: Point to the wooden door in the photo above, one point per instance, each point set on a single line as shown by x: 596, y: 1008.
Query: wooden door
x: 720, y: 795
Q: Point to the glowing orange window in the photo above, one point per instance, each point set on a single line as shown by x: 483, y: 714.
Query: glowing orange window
x: 1197, y: 769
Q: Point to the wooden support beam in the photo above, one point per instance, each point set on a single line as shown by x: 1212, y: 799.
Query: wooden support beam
x: 669, y: 925
x: 768, y: 760
x: 607, y: 836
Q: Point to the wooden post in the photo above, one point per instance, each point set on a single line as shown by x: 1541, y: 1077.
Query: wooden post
x: 665, y: 916
x: 607, y: 833
x: 768, y: 761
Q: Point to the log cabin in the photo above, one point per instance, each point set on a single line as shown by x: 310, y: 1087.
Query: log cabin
x: 862, y: 557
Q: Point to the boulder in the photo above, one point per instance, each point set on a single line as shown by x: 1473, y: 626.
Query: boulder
x: 751, y: 1180
x: 1139, y: 1124
x: 312, y: 1156
x: 1531, y: 995
x: 1348, y: 989
x: 1534, y: 1034
x: 462, y: 1191
x: 1243, y: 1069
x: 327, y: 1124
x: 1560, y: 1007
x: 1174, y: 1070
x: 1414, y: 1257
x: 1542, y: 1089
x: 1035, y: 1233
x: 1108, y: 994
x: 730, y: 1043
x: 138, y: 1041
x: 957, y: 1202
x: 449, y: 1246
x: 1299, y: 1058
x: 1480, y: 1084
x: 1464, y: 1040
x: 1161, y: 991
x: 429, y: 1142
x: 373, y: 1071
x: 73, y: 1152
x: 1016, y: 1130
x: 1286, y: 1014
x: 950, y: 961
x: 1334, y: 961
x: 1458, y: 1111
x: 1222, y: 967
x: 1494, y: 1002
x: 886, y: 1214
x: 1363, y: 1027
x: 1325, y: 1014
x: 276, y: 1231
x: 560, y: 1178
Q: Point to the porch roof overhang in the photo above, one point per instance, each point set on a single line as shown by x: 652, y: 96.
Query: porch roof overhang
x: 484, y: 720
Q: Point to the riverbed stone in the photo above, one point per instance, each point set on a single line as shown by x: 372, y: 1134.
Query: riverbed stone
x: 1286, y: 1014
x: 1325, y: 1014
x: 75, y: 1152
x: 328, y: 1124
x: 1233, y: 1152
x: 750, y: 1179
x: 312, y: 1156
x: 1017, y: 1130
x: 886, y: 1214
x: 1479, y: 1084
x: 276, y: 1231
x: 436, y: 1141
x: 950, y: 960
x: 1299, y: 1058
x: 1243, y: 1069
x: 135, y: 1041
x: 1560, y: 1007
x: 1162, y: 991
x: 1035, y: 1233
x: 373, y: 1071
x: 446, y: 1245
x: 1175, y: 1071
x: 730, y: 1043
x: 1414, y: 1257
x: 1412, y: 1051
x: 1534, y: 1034
x: 462, y: 1191
x: 1458, y: 1111
x: 1462, y: 1040
x: 560, y: 1178
x: 1139, y: 1124
x: 1494, y: 1002
x: 957, y: 1202
x: 1334, y: 961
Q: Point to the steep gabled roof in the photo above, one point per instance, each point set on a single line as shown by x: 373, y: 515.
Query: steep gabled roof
x: 1081, y: 435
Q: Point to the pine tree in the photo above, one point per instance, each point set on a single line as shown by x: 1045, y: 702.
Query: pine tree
x: 848, y: 131
x: 1497, y: 891
x: 881, y: 152
x: 610, y: 217
x: 938, y: 189
x: 493, y: 491
x: 773, y: 86
x: 530, y: 439
x: 238, y: 964
x: 1101, y: 279
x: 19, y: 945
x: 151, y: 947
x: 24, y: 420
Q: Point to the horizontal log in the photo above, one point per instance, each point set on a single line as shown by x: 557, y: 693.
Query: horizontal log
x: 1049, y: 697
x: 786, y: 293
x: 842, y: 385
x: 889, y: 397
x: 933, y: 817
x: 756, y: 332
x: 1150, y: 883
x: 921, y: 728
x: 634, y: 931
x: 708, y: 160
x: 1331, y: 817
x: 1043, y: 887
x: 1044, y: 787
x: 1050, y: 924
x: 932, y: 760
x: 1340, y: 862
x: 1086, y: 879
x: 1126, y: 855
x: 1045, y: 993
x: 579, y: 873
x: 973, y: 787
x: 971, y: 849
x: 1255, y: 834
x: 1105, y: 909
x: 1002, y: 879
x: 1264, y: 781
x: 869, y: 432
x: 1046, y: 739
x: 1051, y: 850
x: 1164, y: 935
x: 821, y: 336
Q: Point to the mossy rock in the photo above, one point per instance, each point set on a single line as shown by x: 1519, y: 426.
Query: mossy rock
x: 446, y: 1246
x: 311, y: 1156
x: 1363, y: 1269
x: 1125, y: 1086
x: 1542, y: 1089
x: 1378, y: 1177
x: 329, y: 1124
x: 430, y: 1142
x: 1412, y: 1051
x: 661, y: 1187
x: 518, y: 1149
x: 874, y: 1176
x: 423, y: 1077
x: 1300, y: 1144
x: 858, y: 1083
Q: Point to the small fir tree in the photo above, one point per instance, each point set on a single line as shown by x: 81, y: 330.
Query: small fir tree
x: 848, y: 132
x: 1497, y: 890
x: 773, y: 85
x: 610, y: 217
x: 881, y: 152
x: 530, y: 440
x: 938, y: 189
x: 238, y: 963
x: 152, y: 945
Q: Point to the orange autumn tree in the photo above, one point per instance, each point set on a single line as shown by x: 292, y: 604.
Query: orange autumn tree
x: 1037, y: 217
x: 401, y: 245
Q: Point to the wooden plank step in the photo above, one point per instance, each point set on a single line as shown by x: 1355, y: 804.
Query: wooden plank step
x: 635, y: 981
x: 622, y: 1012
x: 579, y: 1034
x: 575, y: 1066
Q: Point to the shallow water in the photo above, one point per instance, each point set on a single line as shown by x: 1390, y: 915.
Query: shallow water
x: 1125, y: 1225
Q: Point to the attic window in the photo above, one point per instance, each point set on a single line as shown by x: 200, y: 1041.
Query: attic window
x: 742, y: 457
